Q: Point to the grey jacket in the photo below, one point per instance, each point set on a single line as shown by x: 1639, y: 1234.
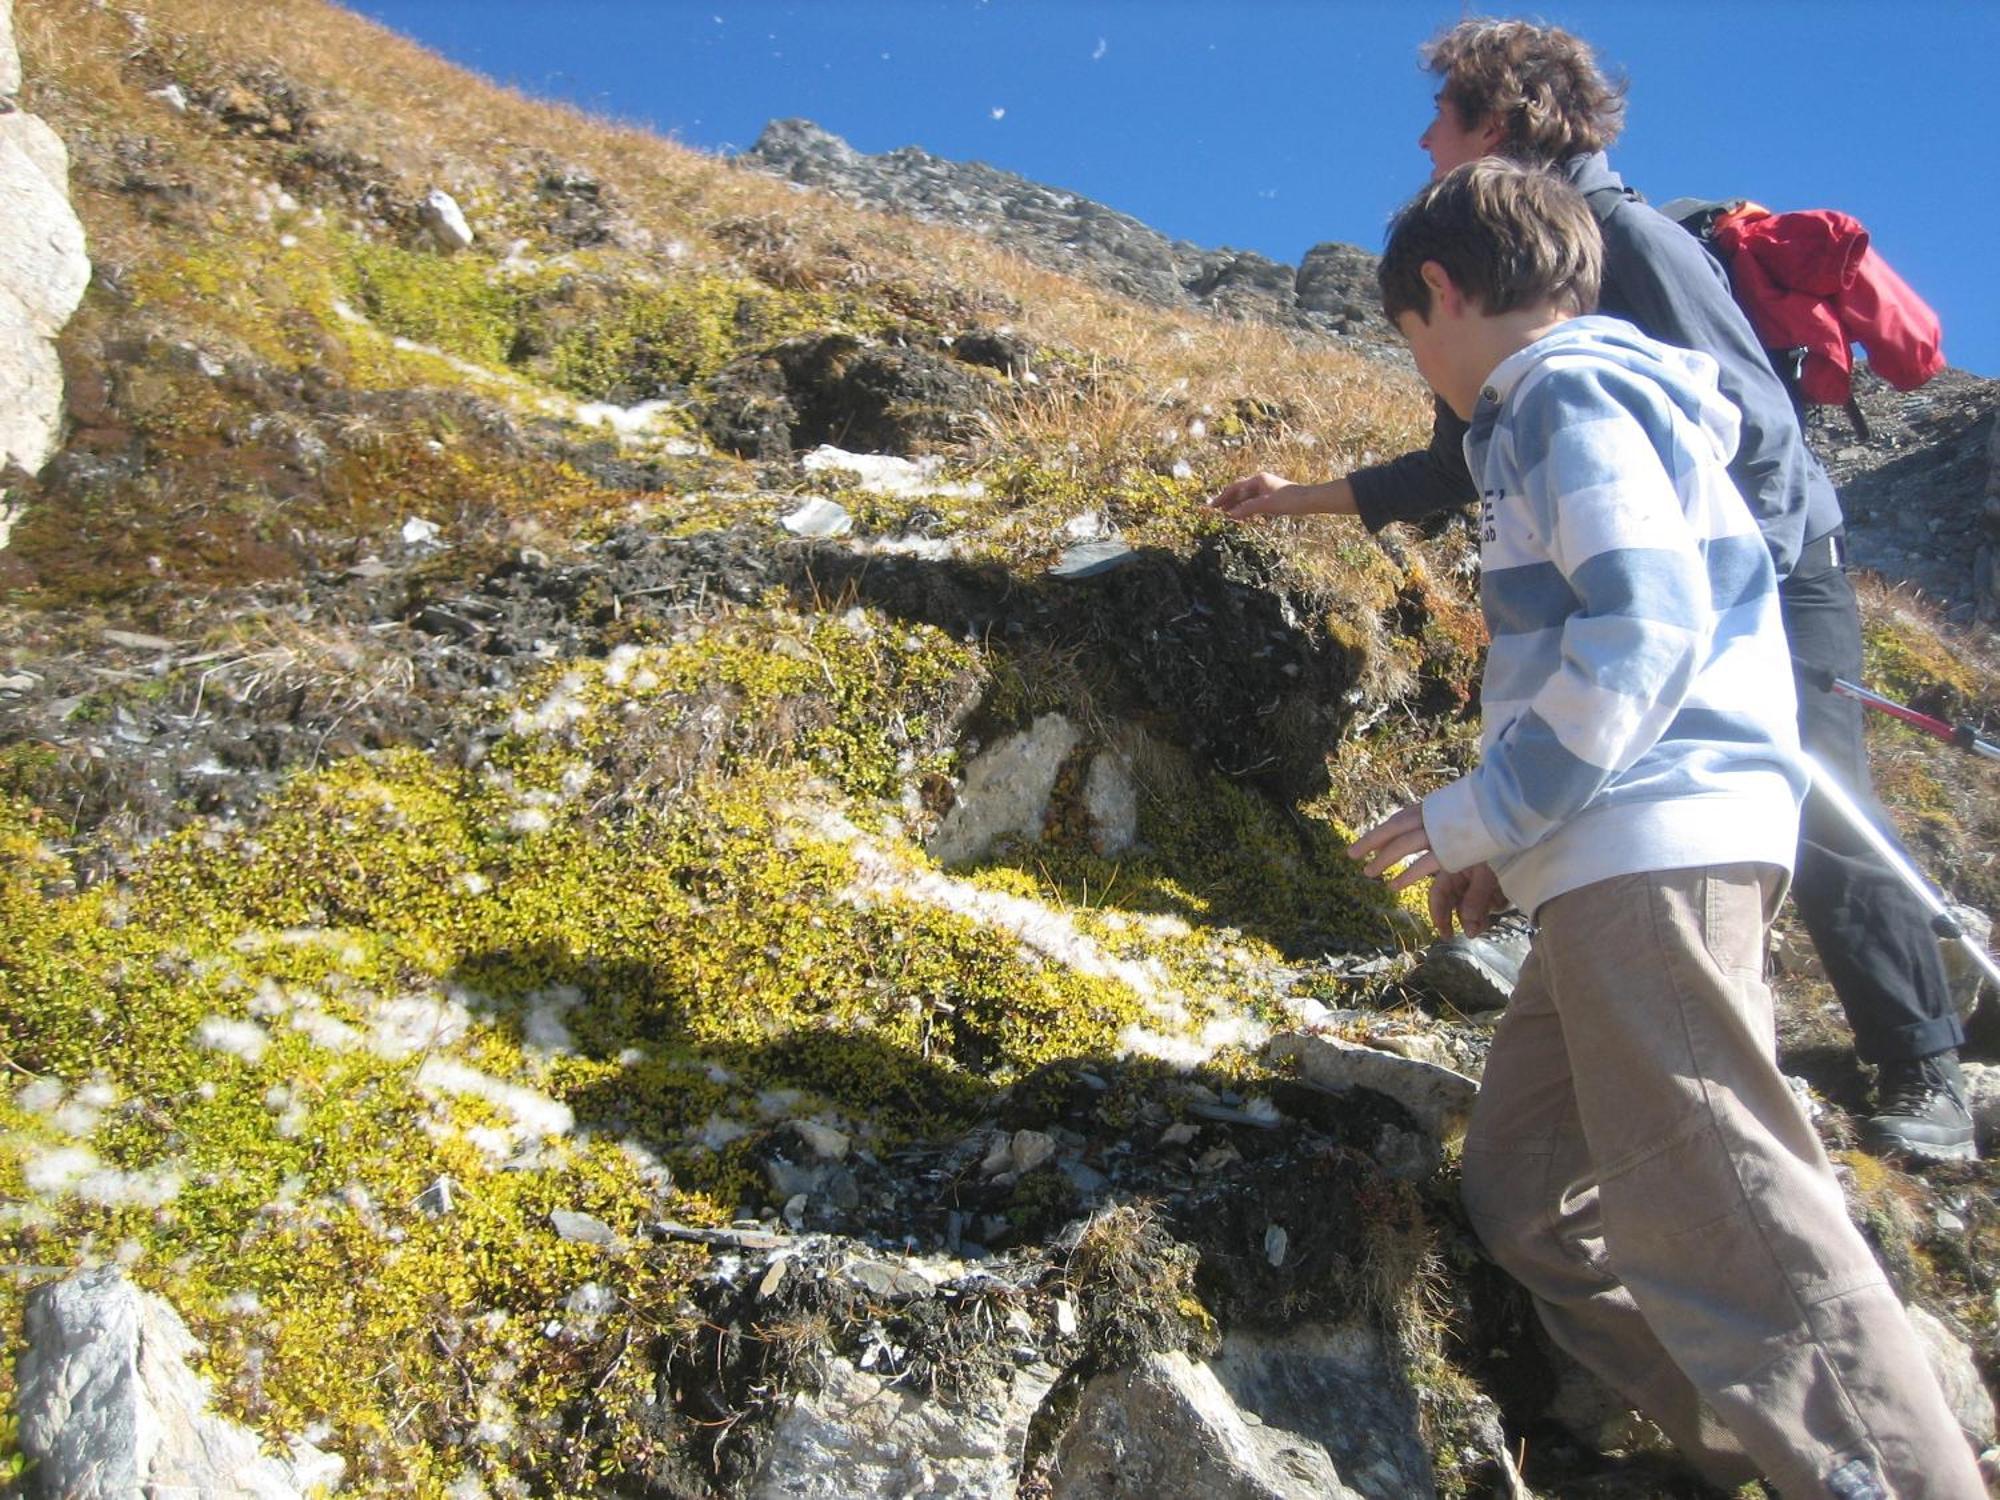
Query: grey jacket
x: 1658, y: 276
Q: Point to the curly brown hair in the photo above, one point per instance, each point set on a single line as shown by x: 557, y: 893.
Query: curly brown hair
x: 1542, y: 84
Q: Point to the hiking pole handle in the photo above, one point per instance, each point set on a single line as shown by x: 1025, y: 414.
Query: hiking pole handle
x: 1943, y: 923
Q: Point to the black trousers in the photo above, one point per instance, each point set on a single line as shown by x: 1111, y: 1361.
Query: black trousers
x: 1873, y: 934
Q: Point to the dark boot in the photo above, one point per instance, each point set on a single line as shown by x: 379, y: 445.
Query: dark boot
x: 1920, y: 1111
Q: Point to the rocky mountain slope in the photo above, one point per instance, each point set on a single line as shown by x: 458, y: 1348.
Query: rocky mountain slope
x: 648, y: 846
x: 1332, y: 290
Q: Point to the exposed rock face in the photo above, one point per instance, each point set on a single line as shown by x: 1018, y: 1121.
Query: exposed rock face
x: 10, y: 57
x: 1984, y: 571
x: 1006, y: 791
x: 1951, y: 1361
x: 1319, y: 1414
x: 110, y: 1407
x: 1332, y: 291
x: 1439, y: 1098
x: 43, y: 271
x: 858, y: 1438
x: 1914, y: 493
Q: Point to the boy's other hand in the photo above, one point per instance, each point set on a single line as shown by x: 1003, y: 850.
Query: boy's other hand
x: 1398, y: 837
x: 1474, y: 895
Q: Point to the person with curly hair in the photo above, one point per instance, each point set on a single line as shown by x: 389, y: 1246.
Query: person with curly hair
x: 1536, y: 94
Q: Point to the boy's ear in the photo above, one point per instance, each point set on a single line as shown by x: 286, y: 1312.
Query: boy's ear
x: 1445, y: 295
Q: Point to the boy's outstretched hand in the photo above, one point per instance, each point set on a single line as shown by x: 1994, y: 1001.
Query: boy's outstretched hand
x: 1258, y: 495
x: 1473, y: 895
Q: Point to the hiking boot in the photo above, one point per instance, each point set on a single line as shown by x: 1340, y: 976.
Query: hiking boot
x: 1477, y: 974
x: 1920, y: 1111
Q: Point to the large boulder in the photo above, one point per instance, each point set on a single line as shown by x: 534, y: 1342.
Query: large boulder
x: 44, y: 268
x: 1168, y: 1427
x: 111, y: 1407
x: 10, y: 57
x: 859, y: 1438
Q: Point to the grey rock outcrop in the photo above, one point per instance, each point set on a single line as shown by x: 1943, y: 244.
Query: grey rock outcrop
x: 1986, y: 570
x: 1317, y: 1413
x: 43, y: 271
x: 1006, y: 791
x: 1333, y: 291
x: 1438, y: 1098
x: 1169, y: 1428
x: 858, y: 1438
x: 110, y: 1405
x: 1958, y: 1376
x: 10, y: 56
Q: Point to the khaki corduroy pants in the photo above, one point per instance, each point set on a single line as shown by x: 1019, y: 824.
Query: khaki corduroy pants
x: 1637, y: 1161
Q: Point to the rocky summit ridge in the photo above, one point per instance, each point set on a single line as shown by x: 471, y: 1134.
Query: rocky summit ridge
x: 1331, y: 290
x: 650, y: 847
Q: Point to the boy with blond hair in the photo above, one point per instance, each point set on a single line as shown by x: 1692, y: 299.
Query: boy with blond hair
x: 1634, y: 1157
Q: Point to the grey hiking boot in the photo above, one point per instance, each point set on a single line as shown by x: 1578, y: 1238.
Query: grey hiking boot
x: 1477, y: 974
x: 1920, y: 1111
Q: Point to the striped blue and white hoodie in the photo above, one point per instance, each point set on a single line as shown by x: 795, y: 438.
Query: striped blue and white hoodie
x: 1637, y: 695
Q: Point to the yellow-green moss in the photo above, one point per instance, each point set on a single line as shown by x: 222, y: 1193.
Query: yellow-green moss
x: 453, y: 302
x: 706, y: 949
x: 1904, y: 659
x: 1218, y: 856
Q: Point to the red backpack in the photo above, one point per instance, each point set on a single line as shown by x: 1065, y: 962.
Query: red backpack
x: 1812, y: 287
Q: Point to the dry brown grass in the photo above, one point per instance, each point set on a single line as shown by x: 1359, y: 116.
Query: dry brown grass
x: 429, y: 123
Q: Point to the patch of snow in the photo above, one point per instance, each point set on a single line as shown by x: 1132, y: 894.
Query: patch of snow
x: 543, y: 1029
x: 718, y: 1132
x: 74, y: 1171
x: 819, y: 518
x: 886, y: 474
x: 928, y: 548
x: 323, y: 1030
x: 418, y: 532
x: 1042, y: 929
x: 244, y: 1039
x: 412, y: 1023
x: 560, y: 709
x: 618, y: 665
x: 626, y: 421
x: 43, y: 1096
x: 535, y: 1113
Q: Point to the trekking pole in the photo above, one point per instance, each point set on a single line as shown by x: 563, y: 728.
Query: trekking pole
x: 1961, y: 735
x: 1943, y: 923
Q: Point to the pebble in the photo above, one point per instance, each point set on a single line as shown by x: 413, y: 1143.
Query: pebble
x: 1030, y: 1149
x: 582, y: 1229
x: 1092, y: 558
x: 824, y: 1141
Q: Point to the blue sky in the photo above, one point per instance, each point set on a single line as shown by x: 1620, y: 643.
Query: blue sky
x: 1274, y: 124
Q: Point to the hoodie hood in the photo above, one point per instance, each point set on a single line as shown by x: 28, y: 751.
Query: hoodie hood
x: 1592, y: 173
x: 1686, y: 377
